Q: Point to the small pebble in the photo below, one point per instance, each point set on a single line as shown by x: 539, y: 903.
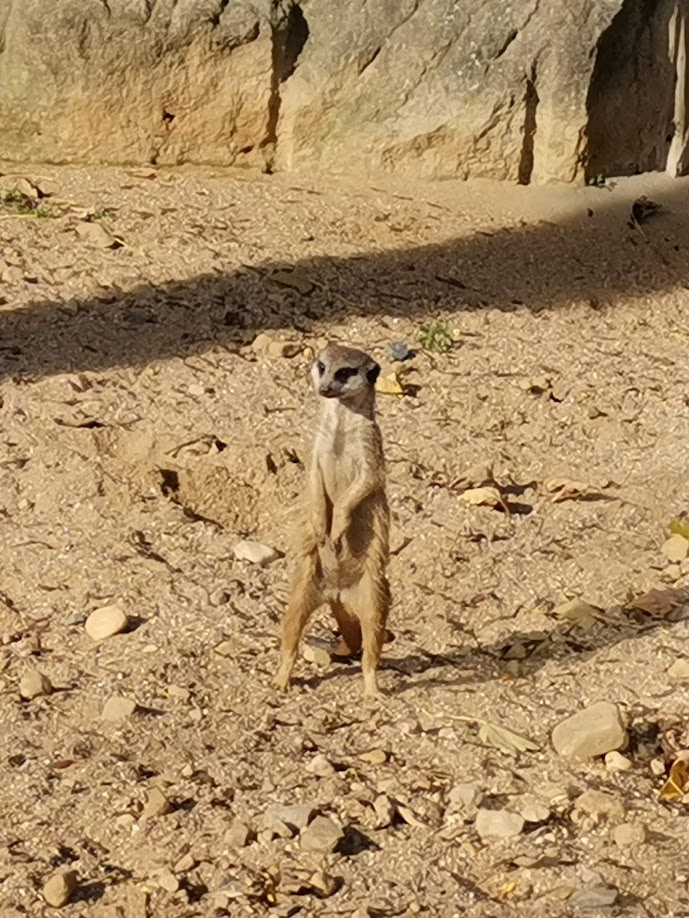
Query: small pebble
x: 594, y: 897
x: 498, y: 824
x: 106, y: 622
x: 168, y: 881
x: 599, y: 803
x: 628, y: 835
x: 374, y: 757
x: 219, y: 597
x: 57, y: 891
x: 322, y: 834
x: 320, y: 766
x: 157, y: 804
x: 615, y: 761
x: 318, y: 655
x: 196, y: 389
x: 398, y: 350
x: 238, y: 835
x: 260, y: 343
x: 535, y: 812
x: 296, y: 815
x: 679, y: 671
x: 34, y: 684
x: 118, y: 708
x: 676, y: 548
x: 255, y: 552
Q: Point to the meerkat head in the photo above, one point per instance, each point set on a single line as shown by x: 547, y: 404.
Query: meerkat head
x: 344, y: 373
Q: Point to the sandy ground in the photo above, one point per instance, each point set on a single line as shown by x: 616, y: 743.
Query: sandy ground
x: 143, y: 437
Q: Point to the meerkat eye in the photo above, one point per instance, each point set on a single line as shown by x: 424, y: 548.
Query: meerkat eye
x: 345, y: 373
x: 320, y: 366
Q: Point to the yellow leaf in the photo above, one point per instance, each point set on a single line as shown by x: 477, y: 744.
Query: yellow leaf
x: 506, y: 889
x: 679, y: 527
x: 677, y: 784
x: 565, y: 489
x: 389, y: 385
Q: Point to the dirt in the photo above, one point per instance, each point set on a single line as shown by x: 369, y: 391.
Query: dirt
x: 143, y: 437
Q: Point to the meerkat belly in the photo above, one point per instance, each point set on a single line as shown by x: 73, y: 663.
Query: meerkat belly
x: 338, y: 475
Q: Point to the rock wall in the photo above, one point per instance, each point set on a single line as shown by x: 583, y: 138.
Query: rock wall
x: 529, y: 91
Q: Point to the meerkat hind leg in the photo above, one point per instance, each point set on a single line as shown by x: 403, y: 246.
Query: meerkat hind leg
x: 305, y: 597
x: 369, y: 600
x: 350, y: 630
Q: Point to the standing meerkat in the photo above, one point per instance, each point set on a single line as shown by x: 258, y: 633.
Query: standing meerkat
x: 342, y: 544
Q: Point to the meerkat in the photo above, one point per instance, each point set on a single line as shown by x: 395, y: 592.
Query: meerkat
x: 342, y: 543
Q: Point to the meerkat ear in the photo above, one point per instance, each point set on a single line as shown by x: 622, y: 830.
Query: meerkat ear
x: 373, y: 374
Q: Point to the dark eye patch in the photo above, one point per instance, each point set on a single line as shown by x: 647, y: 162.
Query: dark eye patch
x: 320, y: 366
x: 345, y: 373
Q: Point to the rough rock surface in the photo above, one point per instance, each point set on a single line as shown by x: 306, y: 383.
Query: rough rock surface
x: 436, y: 88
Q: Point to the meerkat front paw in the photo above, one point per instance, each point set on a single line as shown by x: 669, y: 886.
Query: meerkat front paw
x: 340, y: 525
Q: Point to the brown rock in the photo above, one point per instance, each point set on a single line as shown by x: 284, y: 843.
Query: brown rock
x: 157, y: 804
x: 33, y: 684
x: 118, y: 708
x: 106, y: 622
x: 591, y: 732
x: 322, y: 834
x: 57, y: 891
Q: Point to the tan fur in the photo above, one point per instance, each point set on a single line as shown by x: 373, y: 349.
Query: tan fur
x: 342, y: 543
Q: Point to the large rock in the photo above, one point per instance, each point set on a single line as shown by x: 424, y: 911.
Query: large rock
x: 436, y: 88
x: 593, y: 731
x: 129, y: 81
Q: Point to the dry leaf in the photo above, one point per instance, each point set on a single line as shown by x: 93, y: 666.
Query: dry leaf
x: 409, y: 817
x: 294, y: 279
x: 389, y: 385
x: 656, y: 602
x: 487, y: 496
x: 680, y: 527
x: 506, y: 740
x: 677, y: 784
x: 565, y: 489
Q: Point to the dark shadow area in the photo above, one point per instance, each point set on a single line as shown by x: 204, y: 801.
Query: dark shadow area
x: 631, y: 97
x: 592, y: 258
x: 473, y: 663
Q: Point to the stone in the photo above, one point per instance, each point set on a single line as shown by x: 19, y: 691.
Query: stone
x: 464, y: 798
x: 679, y: 671
x: 629, y: 835
x: 157, y: 804
x: 535, y: 812
x: 594, y: 897
x: 106, y: 622
x: 591, y: 732
x: 577, y: 612
x: 58, y: 890
x: 196, y: 390
x: 318, y: 655
x: 498, y: 824
x: 296, y: 815
x: 219, y: 597
x: 599, y: 803
x: 238, y: 835
x: 676, y: 548
x: 615, y: 761
x: 117, y: 707
x: 374, y: 757
x: 168, y: 881
x: 33, y: 684
x: 322, y: 834
x: 255, y: 552
x: 96, y: 235
x: 384, y: 809
x: 399, y: 350
x: 320, y: 766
